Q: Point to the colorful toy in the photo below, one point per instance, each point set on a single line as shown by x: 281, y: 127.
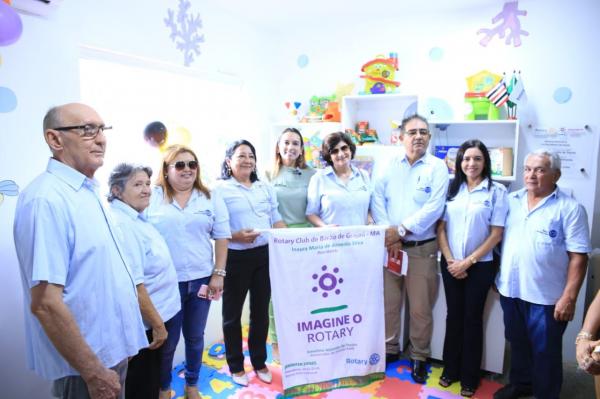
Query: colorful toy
x: 363, y: 135
x: 332, y: 113
x: 379, y: 74
x: 318, y: 105
x: 477, y: 99
x: 293, y: 108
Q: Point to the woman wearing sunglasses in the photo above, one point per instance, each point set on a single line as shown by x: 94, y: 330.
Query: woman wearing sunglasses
x: 148, y: 256
x: 472, y: 225
x: 189, y: 217
x: 338, y: 195
x: 252, y: 206
x: 289, y: 177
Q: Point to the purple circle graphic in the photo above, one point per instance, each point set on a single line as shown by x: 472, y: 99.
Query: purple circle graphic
x: 327, y: 281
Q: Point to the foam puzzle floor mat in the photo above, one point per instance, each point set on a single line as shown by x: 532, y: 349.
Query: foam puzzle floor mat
x: 215, y: 382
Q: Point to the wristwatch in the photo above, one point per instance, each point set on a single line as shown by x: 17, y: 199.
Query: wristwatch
x: 401, y: 231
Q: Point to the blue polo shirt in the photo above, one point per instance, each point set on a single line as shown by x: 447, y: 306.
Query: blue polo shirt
x: 188, y: 231
x: 534, y: 251
x: 148, y: 255
x: 336, y: 202
x: 469, y: 216
x: 65, y: 236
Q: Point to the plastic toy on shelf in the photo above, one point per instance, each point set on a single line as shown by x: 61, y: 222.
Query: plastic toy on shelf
x: 379, y: 74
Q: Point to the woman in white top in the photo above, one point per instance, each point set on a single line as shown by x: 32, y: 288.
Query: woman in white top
x: 471, y: 227
x: 190, y: 217
x: 252, y: 206
x: 338, y: 195
x: 148, y: 256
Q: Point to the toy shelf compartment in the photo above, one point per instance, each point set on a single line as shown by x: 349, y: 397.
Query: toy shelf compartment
x: 493, y: 133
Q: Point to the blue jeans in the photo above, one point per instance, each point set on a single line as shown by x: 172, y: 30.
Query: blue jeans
x: 192, y: 320
x: 536, y: 346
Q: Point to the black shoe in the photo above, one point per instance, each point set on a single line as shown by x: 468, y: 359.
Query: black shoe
x: 419, y: 371
x: 512, y: 391
x: 391, y: 358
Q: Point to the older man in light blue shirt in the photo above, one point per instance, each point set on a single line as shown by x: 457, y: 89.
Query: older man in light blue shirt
x: 410, y: 198
x: 544, y: 260
x: 85, y: 320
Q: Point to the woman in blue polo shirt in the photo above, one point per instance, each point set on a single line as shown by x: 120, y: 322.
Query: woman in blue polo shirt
x: 471, y: 227
x: 338, y: 195
x: 189, y: 217
x: 252, y: 207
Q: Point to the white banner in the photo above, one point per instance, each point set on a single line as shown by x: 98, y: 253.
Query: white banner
x: 327, y: 290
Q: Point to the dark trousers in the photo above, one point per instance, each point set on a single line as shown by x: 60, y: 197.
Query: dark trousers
x: 247, y: 270
x: 465, y: 299
x: 143, y: 372
x: 535, y: 339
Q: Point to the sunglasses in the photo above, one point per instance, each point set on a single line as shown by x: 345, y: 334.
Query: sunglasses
x: 180, y: 165
x: 343, y: 148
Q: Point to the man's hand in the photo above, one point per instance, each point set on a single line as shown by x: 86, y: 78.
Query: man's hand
x: 159, y: 336
x: 564, y: 309
x: 394, y: 249
x: 103, y: 384
x: 391, y: 236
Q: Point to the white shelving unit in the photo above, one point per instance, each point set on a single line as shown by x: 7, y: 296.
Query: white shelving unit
x: 494, y: 134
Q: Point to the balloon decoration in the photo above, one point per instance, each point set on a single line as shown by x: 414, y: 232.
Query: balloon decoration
x: 8, y: 100
x: 11, y: 26
x: 156, y: 134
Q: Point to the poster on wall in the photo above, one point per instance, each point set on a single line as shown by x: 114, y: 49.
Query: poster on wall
x: 327, y: 291
x: 571, y: 144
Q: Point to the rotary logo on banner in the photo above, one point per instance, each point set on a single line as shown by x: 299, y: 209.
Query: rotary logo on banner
x: 327, y: 290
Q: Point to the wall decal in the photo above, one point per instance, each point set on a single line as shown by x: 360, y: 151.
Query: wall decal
x: 8, y: 187
x: 185, y: 31
x: 8, y: 100
x: 562, y: 95
x: 509, y: 21
x: 436, y: 54
x: 302, y: 61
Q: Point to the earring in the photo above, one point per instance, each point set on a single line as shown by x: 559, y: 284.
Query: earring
x: 228, y: 170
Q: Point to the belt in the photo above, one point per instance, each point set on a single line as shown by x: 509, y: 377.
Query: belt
x: 417, y: 243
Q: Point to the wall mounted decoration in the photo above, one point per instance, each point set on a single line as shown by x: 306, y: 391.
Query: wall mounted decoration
x: 302, y: 61
x: 436, y: 54
x: 509, y: 22
x: 562, y: 95
x: 8, y: 187
x: 185, y: 31
x: 11, y: 25
x: 8, y: 100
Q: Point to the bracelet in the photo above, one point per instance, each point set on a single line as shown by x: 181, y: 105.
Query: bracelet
x: 473, y: 260
x: 583, y: 335
x: 219, y: 272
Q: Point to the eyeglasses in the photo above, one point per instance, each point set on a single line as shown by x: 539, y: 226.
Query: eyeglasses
x: 180, y: 165
x: 343, y: 148
x: 88, y: 132
x: 413, y: 132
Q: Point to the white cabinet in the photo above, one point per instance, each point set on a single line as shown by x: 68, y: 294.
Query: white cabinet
x: 379, y: 110
x: 494, y: 134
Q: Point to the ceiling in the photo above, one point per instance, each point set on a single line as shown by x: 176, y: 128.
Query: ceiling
x: 285, y: 14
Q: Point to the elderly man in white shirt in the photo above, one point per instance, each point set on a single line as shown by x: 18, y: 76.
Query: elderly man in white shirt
x: 544, y: 260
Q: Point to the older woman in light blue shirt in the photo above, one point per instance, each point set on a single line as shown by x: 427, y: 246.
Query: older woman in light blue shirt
x: 148, y: 255
x: 338, y: 195
x: 252, y: 207
x: 189, y: 217
x: 472, y: 225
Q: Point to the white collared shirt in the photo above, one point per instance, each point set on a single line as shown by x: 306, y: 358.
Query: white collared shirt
x: 411, y: 195
x: 188, y: 231
x: 470, y: 215
x: 64, y: 236
x: 253, y: 207
x: 534, y: 252
x: 148, y: 255
x: 336, y: 202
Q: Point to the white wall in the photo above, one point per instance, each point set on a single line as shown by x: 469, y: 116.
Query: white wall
x: 42, y: 69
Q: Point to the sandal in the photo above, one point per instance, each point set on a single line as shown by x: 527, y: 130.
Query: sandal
x: 445, y: 382
x: 467, y: 392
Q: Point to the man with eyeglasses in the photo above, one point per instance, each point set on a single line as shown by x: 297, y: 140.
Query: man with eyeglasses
x: 544, y: 260
x: 85, y: 320
x: 410, y: 198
